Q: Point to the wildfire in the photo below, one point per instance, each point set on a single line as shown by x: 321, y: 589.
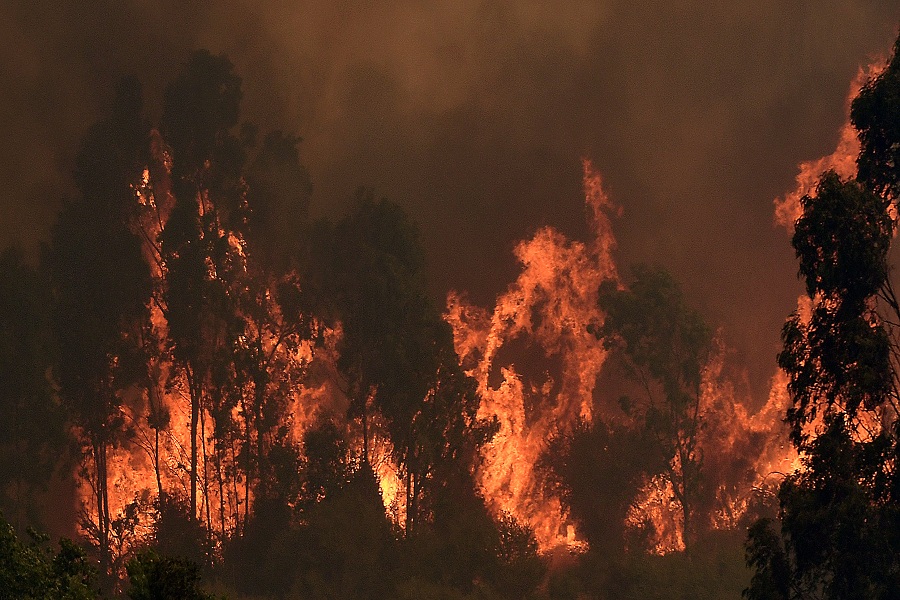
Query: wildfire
x: 842, y: 161
x: 545, y: 313
x: 547, y: 310
x: 536, y: 366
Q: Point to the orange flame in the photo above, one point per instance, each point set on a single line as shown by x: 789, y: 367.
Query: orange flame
x: 842, y: 160
x: 543, y: 314
x: 547, y: 308
x: 742, y: 454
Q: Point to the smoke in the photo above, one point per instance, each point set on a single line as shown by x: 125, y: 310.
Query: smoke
x: 474, y: 115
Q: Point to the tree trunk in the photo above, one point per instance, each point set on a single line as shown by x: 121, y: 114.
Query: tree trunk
x: 102, y: 507
x: 365, y: 431
x: 410, y: 496
x: 248, y: 444
x: 234, y: 487
x: 159, y: 487
x: 259, y: 393
x: 156, y: 407
x: 221, y: 491
x: 205, y: 472
x: 195, y: 417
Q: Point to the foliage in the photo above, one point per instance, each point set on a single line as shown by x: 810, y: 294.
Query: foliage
x: 767, y: 559
x: 839, y: 362
x: 326, y: 467
x: 176, y: 533
x: 596, y: 471
x: 30, y: 571
x: 874, y: 115
x: 154, y: 577
x: 345, y: 547
x: 665, y: 345
x: 521, y: 569
x: 839, y: 514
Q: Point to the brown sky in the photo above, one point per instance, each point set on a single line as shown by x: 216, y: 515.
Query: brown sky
x: 474, y: 115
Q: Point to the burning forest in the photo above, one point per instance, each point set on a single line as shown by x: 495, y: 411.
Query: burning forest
x: 213, y: 391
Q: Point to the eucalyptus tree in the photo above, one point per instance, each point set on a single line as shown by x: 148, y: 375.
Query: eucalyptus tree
x: 665, y: 346
x: 839, y: 515
x: 101, y: 288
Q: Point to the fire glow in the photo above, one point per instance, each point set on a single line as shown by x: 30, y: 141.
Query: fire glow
x: 546, y: 311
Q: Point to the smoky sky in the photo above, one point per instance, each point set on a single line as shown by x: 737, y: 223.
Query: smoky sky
x: 474, y: 116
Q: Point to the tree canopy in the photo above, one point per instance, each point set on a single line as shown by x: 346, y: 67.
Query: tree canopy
x: 839, y: 513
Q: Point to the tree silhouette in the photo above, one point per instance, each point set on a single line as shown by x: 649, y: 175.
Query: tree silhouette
x: 665, y: 345
x: 840, y: 513
x: 31, y: 419
x: 101, y: 289
x: 596, y: 470
x: 201, y: 106
x: 396, y: 353
x: 237, y: 316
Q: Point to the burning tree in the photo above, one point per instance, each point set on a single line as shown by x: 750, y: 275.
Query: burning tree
x: 840, y: 513
x: 201, y: 106
x: 666, y: 346
x: 237, y: 330
x: 397, y: 358
x: 102, y: 288
x: 159, y: 291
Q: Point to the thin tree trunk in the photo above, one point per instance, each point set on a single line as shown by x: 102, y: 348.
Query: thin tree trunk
x: 259, y: 396
x: 365, y: 430
x: 248, y: 444
x: 234, y: 486
x: 102, y: 506
x: 221, y: 491
x: 156, y: 408
x: 159, y: 487
x: 409, y: 499
x: 415, y: 498
x: 195, y: 417
x: 205, y: 472
x: 688, y: 542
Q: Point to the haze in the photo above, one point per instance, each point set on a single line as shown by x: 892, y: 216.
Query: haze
x: 475, y: 115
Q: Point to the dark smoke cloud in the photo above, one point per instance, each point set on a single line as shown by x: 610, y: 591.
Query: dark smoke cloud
x: 474, y: 116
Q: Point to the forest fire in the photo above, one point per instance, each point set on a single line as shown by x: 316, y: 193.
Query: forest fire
x: 548, y: 309
x: 842, y: 161
x: 546, y: 314
x: 242, y: 396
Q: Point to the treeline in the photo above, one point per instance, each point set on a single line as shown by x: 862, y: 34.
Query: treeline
x: 182, y: 303
x: 292, y: 407
x: 240, y: 391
